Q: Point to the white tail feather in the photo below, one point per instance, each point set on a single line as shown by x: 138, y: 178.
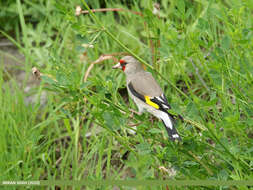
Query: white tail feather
x: 166, y: 119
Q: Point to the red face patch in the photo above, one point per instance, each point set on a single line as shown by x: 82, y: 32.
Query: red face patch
x: 121, y: 61
x: 123, y: 64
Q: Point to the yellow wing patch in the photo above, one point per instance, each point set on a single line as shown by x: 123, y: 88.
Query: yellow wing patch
x: 149, y: 102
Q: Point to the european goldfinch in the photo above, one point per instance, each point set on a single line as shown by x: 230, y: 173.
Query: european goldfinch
x: 146, y: 93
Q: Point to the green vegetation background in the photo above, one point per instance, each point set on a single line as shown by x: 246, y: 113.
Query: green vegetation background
x: 203, y: 50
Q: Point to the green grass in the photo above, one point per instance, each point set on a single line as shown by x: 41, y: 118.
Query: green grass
x: 203, y: 52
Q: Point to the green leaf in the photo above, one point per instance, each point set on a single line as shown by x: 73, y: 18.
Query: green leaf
x: 62, y: 79
x: 110, y: 121
x: 61, y: 7
x: 143, y: 148
x: 85, y: 85
x: 225, y: 42
x: 181, y: 6
x: 216, y: 77
x: 172, y: 112
x: 148, y: 13
x: 190, y: 163
x: 82, y: 39
x: 154, y: 131
x: 191, y: 109
x: 189, y: 13
x: 48, y: 80
x: 202, y: 24
x: 223, y: 174
x: 108, y: 118
x: 80, y: 49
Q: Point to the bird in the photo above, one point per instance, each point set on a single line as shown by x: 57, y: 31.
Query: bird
x: 147, y: 94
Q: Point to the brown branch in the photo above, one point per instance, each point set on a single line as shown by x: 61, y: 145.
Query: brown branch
x: 87, y: 72
x: 101, y: 59
x: 134, y: 124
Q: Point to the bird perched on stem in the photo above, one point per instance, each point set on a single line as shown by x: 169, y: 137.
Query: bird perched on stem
x: 147, y: 94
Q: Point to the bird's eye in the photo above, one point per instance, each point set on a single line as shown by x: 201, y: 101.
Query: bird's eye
x: 122, y: 62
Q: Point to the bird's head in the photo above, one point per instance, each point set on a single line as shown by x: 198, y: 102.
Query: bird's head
x: 129, y: 65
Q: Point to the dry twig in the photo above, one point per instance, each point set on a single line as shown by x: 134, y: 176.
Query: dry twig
x: 100, y: 60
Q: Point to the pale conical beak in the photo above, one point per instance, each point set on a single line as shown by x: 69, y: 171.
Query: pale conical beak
x: 117, y: 66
